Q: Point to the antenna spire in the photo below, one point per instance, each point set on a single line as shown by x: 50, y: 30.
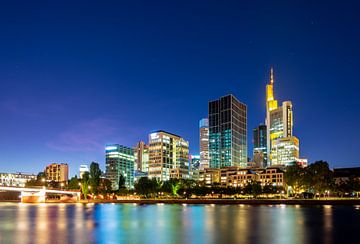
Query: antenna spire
x: 271, y: 75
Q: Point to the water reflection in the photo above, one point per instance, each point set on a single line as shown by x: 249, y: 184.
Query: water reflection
x: 118, y: 223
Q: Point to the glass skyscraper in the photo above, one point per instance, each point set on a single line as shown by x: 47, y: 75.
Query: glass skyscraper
x: 227, y: 132
x: 120, y: 160
x: 260, y: 146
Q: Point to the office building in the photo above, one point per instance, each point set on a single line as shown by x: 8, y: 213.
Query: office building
x: 141, y: 151
x: 279, y: 122
x: 285, y: 151
x: 227, y: 132
x: 260, y: 146
x: 120, y: 160
x: 57, y: 172
x: 15, y: 179
x: 204, y: 143
x: 168, y: 152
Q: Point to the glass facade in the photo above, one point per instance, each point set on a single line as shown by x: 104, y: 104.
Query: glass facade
x: 260, y: 146
x: 227, y: 132
x: 120, y: 160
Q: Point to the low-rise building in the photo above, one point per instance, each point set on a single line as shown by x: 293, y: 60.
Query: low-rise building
x: 235, y: 176
x: 15, y: 179
x: 271, y: 175
x: 57, y: 172
x: 345, y: 174
x: 209, y: 176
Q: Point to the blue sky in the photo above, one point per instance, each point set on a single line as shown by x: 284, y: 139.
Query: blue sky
x: 75, y: 76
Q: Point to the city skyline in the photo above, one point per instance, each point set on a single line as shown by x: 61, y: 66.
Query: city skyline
x: 70, y: 86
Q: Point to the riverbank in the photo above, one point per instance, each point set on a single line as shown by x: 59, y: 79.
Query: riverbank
x: 236, y: 201
x: 310, y: 202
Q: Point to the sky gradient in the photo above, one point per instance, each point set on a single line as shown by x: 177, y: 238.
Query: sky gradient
x: 75, y: 76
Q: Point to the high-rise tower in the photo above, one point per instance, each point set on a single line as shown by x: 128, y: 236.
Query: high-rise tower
x: 227, y: 132
x: 279, y: 121
x: 204, y: 143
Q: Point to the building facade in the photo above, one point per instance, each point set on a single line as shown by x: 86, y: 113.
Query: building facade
x: 239, y: 177
x: 204, y: 143
x: 167, y: 152
x: 120, y: 160
x: 227, y: 132
x: 285, y: 151
x: 279, y: 123
x: 260, y: 146
x: 141, y: 151
x: 57, y: 172
x: 15, y: 179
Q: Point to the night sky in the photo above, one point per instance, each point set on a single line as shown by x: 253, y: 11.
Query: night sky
x: 76, y: 76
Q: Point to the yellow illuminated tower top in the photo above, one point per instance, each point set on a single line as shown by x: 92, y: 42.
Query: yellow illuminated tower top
x: 271, y: 103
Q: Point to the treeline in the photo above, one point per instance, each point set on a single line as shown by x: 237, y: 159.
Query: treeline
x: 152, y: 188
x: 318, y: 179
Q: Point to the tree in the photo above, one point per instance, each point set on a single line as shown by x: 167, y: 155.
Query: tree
x: 40, y: 180
x: 74, y: 183
x: 85, y: 184
x: 95, y: 174
x: 318, y: 177
x: 105, y: 186
x: 253, y: 188
x: 268, y: 189
x: 295, y: 178
x: 122, y: 181
x: 146, y: 186
x: 175, y: 187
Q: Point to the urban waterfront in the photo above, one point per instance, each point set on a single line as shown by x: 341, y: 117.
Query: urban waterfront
x: 175, y: 223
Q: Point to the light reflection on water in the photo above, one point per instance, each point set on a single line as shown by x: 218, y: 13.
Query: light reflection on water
x: 124, y: 223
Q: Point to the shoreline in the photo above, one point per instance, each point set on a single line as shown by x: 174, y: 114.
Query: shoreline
x: 303, y: 202
x: 237, y: 201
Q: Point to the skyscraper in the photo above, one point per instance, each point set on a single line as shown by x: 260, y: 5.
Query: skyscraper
x: 227, y: 132
x: 260, y: 146
x: 168, y: 153
x: 279, y: 123
x: 204, y: 143
x: 141, y: 151
x: 120, y: 160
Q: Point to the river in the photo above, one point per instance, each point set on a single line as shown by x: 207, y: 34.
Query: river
x: 161, y: 223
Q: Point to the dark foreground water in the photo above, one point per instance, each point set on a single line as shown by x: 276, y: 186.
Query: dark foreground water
x: 130, y: 223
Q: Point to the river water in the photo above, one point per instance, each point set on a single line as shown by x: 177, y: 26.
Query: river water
x: 131, y: 223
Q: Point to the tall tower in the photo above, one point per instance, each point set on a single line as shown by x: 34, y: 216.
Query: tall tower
x: 279, y: 121
x: 271, y: 104
x: 227, y: 132
x: 204, y: 143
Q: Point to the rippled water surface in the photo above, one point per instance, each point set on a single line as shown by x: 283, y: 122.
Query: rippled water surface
x: 131, y: 223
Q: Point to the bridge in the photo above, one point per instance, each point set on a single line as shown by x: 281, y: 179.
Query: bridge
x: 38, y: 195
